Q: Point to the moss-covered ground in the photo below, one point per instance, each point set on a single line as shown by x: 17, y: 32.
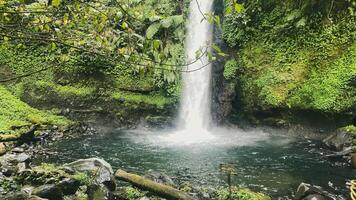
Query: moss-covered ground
x: 14, y: 112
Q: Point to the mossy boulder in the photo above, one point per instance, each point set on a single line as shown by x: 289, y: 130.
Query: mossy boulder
x: 238, y: 193
x: 342, y: 138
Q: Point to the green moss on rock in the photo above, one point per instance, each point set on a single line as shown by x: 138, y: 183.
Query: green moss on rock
x: 136, y: 98
x: 289, y: 58
x: 240, y: 194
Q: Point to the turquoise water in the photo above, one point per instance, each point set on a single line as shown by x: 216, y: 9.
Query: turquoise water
x: 270, y: 163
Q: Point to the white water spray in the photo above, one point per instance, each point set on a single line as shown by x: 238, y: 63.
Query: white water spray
x: 195, y: 117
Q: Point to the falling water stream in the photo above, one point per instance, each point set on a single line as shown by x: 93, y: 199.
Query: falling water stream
x: 194, y: 115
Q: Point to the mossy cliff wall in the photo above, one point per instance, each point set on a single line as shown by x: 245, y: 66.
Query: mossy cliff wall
x: 292, y: 59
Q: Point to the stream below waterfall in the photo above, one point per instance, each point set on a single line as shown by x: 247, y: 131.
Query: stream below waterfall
x: 271, y: 163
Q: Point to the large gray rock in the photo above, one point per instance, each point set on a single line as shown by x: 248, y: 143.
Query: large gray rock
x: 339, y: 140
x: 314, y: 197
x: 100, y: 168
x: 307, y: 191
x: 36, y: 198
x: 98, y: 192
x: 51, y: 192
x: 69, y: 186
x: 16, y: 196
x: 2, y: 149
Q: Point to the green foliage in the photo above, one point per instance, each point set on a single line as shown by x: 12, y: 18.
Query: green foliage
x: 230, y: 69
x: 133, y: 193
x: 83, y: 178
x: 294, y: 56
x: 156, y: 100
x: 240, y: 194
x: 167, y: 22
x: 98, y: 35
x: 14, y: 112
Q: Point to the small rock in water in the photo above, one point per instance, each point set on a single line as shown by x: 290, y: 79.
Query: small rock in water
x: 22, y: 157
x: 314, y: 197
x: 21, y: 167
x: 18, y: 150
x: 307, y: 191
x: 2, y: 149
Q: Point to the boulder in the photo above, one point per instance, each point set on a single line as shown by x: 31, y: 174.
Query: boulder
x: 49, y: 191
x: 339, y: 140
x: 102, y: 170
x: 2, y: 149
x: 69, y: 186
x: 98, y: 192
x: 307, y: 191
x: 347, y: 151
x: 18, y: 150
x: 16, y: 196
x: 27, y: 189
x: 21, y: 167
x: 8, y: 170
x: 34, y: 197
x: 314, y: 197
x: 144, y: 198
x: 22, y: 157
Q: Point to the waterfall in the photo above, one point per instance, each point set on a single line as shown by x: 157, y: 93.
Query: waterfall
x: 195, y: 107
x: 194, y: 116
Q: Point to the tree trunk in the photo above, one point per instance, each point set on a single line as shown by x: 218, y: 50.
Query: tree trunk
x: 154, y: 187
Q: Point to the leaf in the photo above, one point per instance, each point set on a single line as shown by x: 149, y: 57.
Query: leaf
x: 217, y: 21
x: 239, y: 8
x: 53, y: 46
x: 154, y: 18
x: 156, y: 44
x: 216, y: 48
x: 124, y: 25
x: 56, y: 3
x: 301, y: 23
x: 65, y: 18
x: 228, y: 10
x: 152, y: 30
x: 177, y: 19
x: 172, y: 20
x: 166, y: 23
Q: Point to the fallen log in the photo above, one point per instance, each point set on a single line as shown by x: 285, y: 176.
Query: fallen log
x: 158, y: 189
x: 24, y: 137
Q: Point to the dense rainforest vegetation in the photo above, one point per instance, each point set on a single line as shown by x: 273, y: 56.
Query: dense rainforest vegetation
x: 282, y: 57
x: 119, y: 63
x: 293, y: 56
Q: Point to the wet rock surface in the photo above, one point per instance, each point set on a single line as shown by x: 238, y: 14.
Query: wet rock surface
x: 50, y: 191
x: 307, y: 191
x: 339, y: 140
x: 103, y: 170
x: 69, y: 186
